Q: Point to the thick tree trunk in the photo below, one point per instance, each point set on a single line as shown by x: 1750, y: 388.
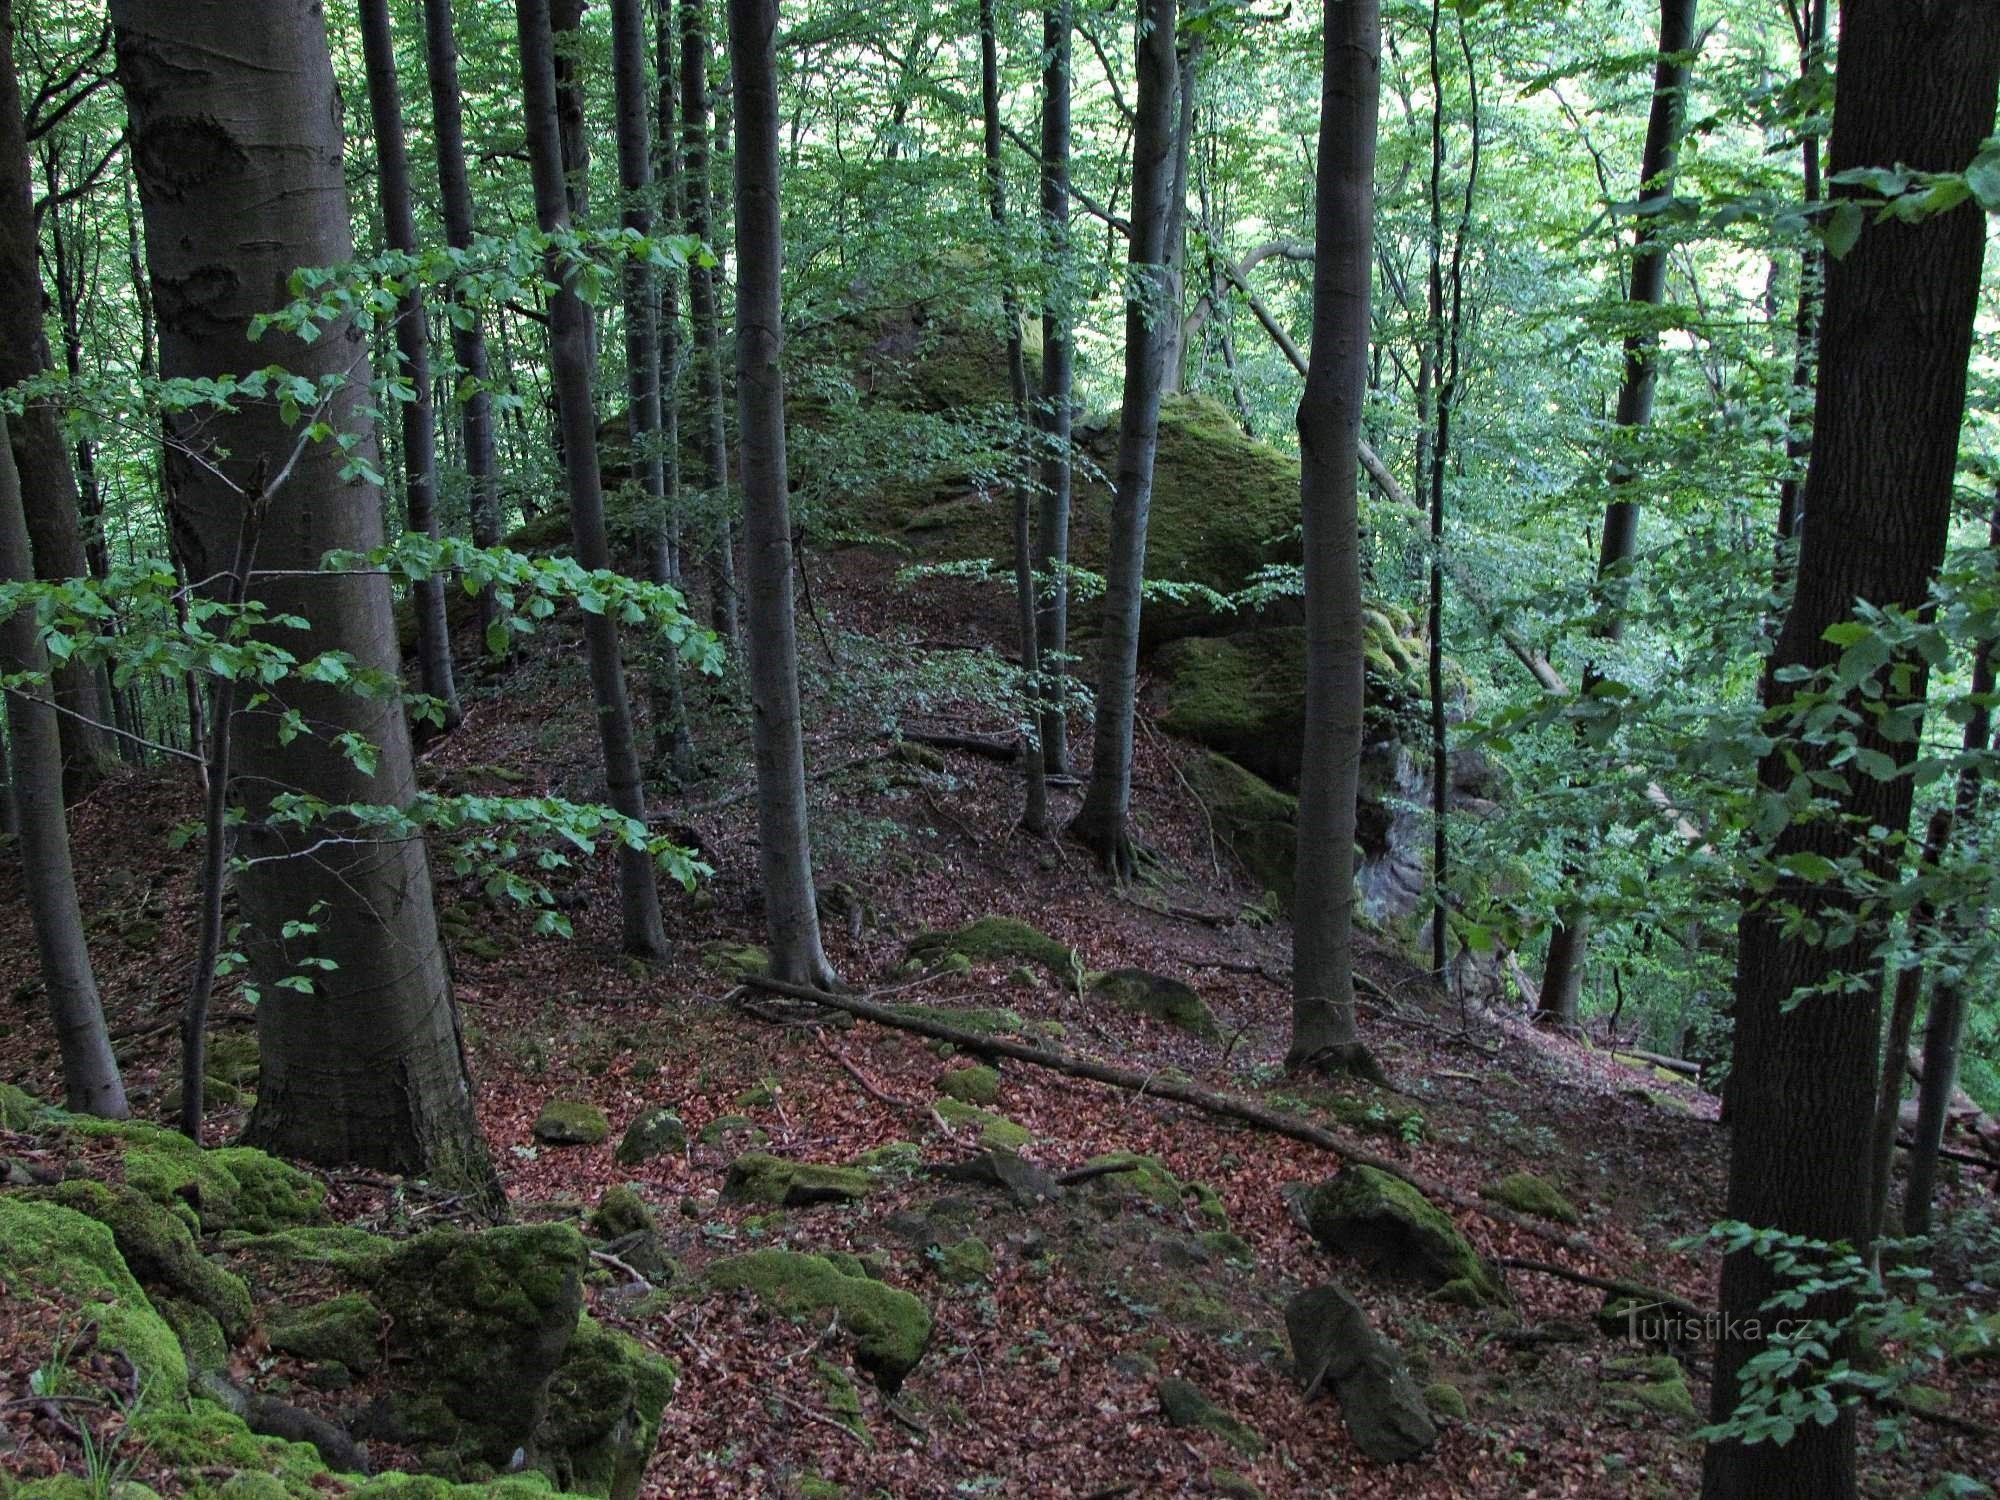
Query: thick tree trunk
x: 468, y: 342
x: 236, y: 145
x: 48, y: 486
x: 791, y: 911
x: 705, y: 315
x: 413, y: 347
x: 1103, y: 823
x: 90, y: 1073
x: 1058, y: 367
x: 569, y: 357
x: 1329, y: 422
x: 1569, y: 938
x: 1917, y: 83
x: 572, y: 128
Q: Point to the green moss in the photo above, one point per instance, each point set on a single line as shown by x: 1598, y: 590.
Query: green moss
x: 55, y: 1250
x: 425, y: 1487
x: 813, y: 1487
x: 891, y: 1157
x: 1445, y: 1400
x: 571, y: 1122
x: 1234, y: 1485
x: 1393, y: 1227
x: 1526, y: 1193
x: 653, y: 1132
x: 201, y: 1336
x: 716, y: 1131
x: 998, y: 940
x: 735, y: 960
x: 843, y: 1401
x: 1184, y: 1405
x: 1148, y: 1178
x: 964, y: 1262
x: 994, y: 1129
x: 345, y: 1330
x: 619, y: 1212
x: 604, y: 1412
x: 758, y: 1096
x: 206, y: 1438
x: 759, y: 1178
x: 232, y: 1187
x: 159, y: 1250
x: 1165, y: 1000
x: 890, y: 1327
x: 1654, y: 1384
x: 1226, y: 1245
x: 337, y: 1247
x: 20, y: 1110
x: 973, y: 1085
x: 1252, y: 819
x: 980, y: 1021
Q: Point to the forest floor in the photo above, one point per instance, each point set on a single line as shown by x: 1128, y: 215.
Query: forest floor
x: 1042, y: 1377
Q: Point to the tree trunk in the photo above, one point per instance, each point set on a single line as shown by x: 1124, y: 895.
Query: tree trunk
x: 1058, y: 372
x: 572, y: 128
x: 90, y: 1073
x: 236, y: 145
x: 413, y: 347
x: 784, y: 849
x: 1905, y: 992
x: 48, y: 487
x: 1805, y: 316
x: 1173, y: 355
x: 1329, y: 422
x: 1917, y: 82
x: 705, y: 315
x: 468, y: 342
x: 1103, y: 823
x: 1569, y: 937
x: 570, y: 362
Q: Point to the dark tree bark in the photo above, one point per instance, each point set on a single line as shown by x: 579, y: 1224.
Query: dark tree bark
x: 468, y: 343
x: 784, y: 849
x: 570, y: 361
x: 1905, y: 992
x: 705, y: 315
x: 1805, y: 315
x: 236, y: 146
x: 1329, y: 422
x: 399, y: 223
x: 1173, y: 332
x: 91, y: 1084
x: 1035, y: 799
x: 1569, y: 938
x: 1917, y: 83
x: 1058, y: 373
x: 673, y: 211
x: 48, y: 486
x: 572, y: 128
x: 1103, y: 823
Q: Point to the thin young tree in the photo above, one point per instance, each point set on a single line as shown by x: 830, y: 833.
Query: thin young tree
x: 419, y: 422
x: 235, y: 141
x: 570, y: 360
x: 1569, y: 937
x: 784, y: 849
x: 1103, y: 823
x: 1917, y: 86
x: 91, y: 1084
x: 1329, y: 422
x: 1057, y: 411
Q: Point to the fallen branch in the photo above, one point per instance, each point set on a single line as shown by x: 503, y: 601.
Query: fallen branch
x: 1651, y: 1295
x: 636, y: 1280
x: 990, y: 746
x: 1090, y: 1174
x: 868, y: 1085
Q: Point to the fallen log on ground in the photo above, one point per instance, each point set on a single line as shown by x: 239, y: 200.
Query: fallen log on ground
x: 993, y: 747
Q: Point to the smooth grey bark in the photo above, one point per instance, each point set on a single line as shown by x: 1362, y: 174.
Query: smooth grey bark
x: 1103, y: 823
x: 571, y: 369
x: 784, y: 850
x: 468, y: 342
x: 1569, y: 937
x: 1329, y: 423
x: 1057, y: 413
x: 91, y: 1084
x: 572, y: 128
x: 236, y: 147
x: 1174, y: 331
x: 413, y: 347
x: 705, y: 314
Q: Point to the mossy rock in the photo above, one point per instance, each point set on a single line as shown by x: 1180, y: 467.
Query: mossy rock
x: 1169, y: 1001
x: 973, y: 1085
x: 352, y: 1252
x: 56, y: 1251
x: 1149, y: 1179
x: 1184, y: 1405
x: 205, y: 1439
x: 571, y: 1122
x: 1391, y: 1227
x: 201, y: 1336
x: 843, y: 1400
x: 890, y: 1327
x: 652, y: 1133
x: 723, y: 1127
x: 344, y: 1330
x: 1227, y: 1245
x: 233, y: 1057
x: 1254, y: 820
x: 758, y: 1096
x: 995, y: 1130
x: 1655, y: 1385
x: 757, y: 1177
x: 1235, y: 1486
x: 229, y: 1187
x: 159, y: 1250
x: 619, y: 1212
x: 738, y: 961
x: 1526, y: 1193
x: 998, y: 940
x: 1445, y: 1400
x: 965, y: 1262
x: 20, y: 1110
x: 427, y: 1487
x: 603, y: 1416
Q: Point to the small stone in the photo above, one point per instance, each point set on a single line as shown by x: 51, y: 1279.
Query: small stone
x: 1166, y: 1000
x: 621, y: 1211
x: 1334, y: 1345
x: 759, y: 1178
x: 652, y: 1133
x: 973, y: 1085
x: 571, y: 1122
x: 966, y: 1262
x: 1184, y: 1405
x: 1445, y: 1400
x: 1526, y: 1193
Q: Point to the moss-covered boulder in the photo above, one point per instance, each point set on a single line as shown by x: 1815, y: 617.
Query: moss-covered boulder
x: 19, y: 1109
x: 160, y: 1251
x: 735, y: 961
x: 971, y: 1085
x: 603, y: 1416
x: 1171, y: 1001
x: 1649, y: 1386
x: 344, y: 1330
x: 1391, y: 1227
x: 965, y: 1262
x: 652, y: 1133
x: 1252, y: 819
x: 890, y: 1328
x: 620, y: 1211
x: 994, y: 1130
x: 228, y: 1187
x: 202, y: 1439
x: 757, y: 1177
x: 1184, y: 1404
x: 1147, y: 1179
x: 1336, y: 1348
x: 571, y: 1122
x: 997, y: 940
x: 1526, y: 1193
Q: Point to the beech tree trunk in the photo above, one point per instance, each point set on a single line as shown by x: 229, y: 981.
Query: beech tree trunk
x: 1103, y: 823
x: 784, y: 850
x: 1058, y: 375
x: 399, y: 223
x: 1329, y: 422
x: 1805, y: 314
x: 236, y: 147
x: 1173, y: 332
x: 571, y: 368
x: 1917, y: 83
x: 468, y: 343
x: 91, y: 1084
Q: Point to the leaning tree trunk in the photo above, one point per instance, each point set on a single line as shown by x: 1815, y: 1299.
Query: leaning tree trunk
x: 784, y: 850
x: 1058, y: 374
x: 1103, y: 823
x: 468, y: 334
x: 1329, y: 422
x: 236, y: 145
x: 570, y: 362
x: 47, y: 484
x: 1917, y: 82
x: 90, y: 1073
x: 413, y: 347
x: 1569, y: 937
